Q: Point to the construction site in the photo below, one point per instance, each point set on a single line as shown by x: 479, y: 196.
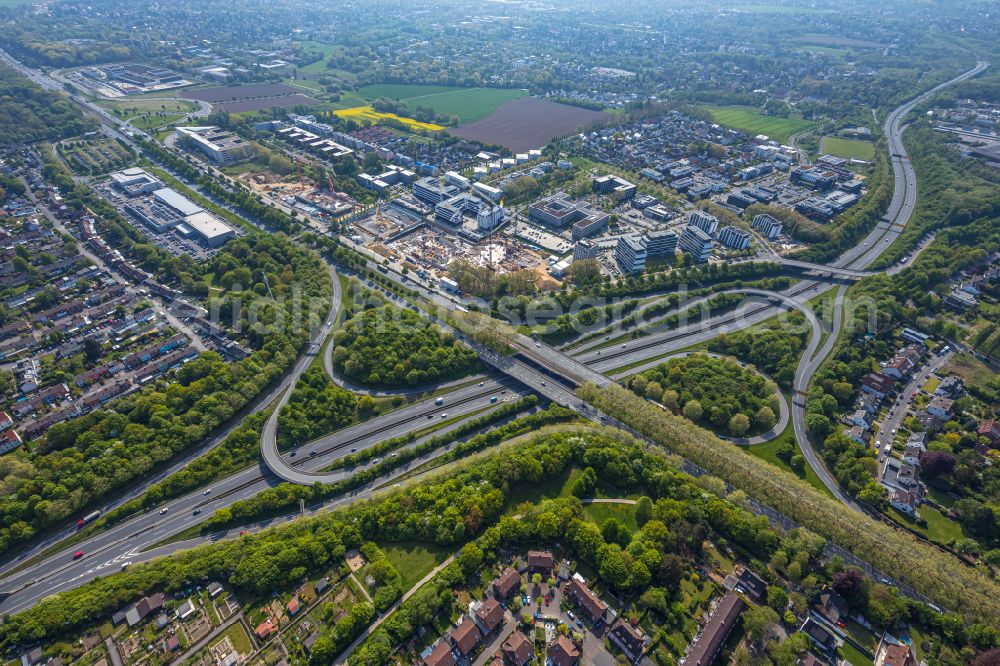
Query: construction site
x: 324, y: 203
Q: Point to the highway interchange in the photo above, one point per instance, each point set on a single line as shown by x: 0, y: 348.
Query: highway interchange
x: 534, y: 368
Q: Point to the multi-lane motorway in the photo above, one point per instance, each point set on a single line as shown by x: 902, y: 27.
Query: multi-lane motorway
x: 533, y: 368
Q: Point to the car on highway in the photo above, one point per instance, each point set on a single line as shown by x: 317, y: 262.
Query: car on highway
x: 125, y: 565
x: 208, y: 491
x: 196, y: 512
x: 444, y: 415
x: 354, y: 450
x: 163, y: 510
x: 78, y: 554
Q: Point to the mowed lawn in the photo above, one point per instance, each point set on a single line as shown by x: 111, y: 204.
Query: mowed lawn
x: 467, y: 104
x: 753, y: 122
x: 847, y: 148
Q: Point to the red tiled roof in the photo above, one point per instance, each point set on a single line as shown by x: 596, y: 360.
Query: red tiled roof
x: 539, y: 559
x: 441, y: 655
x: 490, y: 614
x: 506, y: 583
x: 563, y: 652
x: 587, y: 600
x: 466, y: 636
x: 517, y: 649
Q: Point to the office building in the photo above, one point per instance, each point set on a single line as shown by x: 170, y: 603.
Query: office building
x: 704, y: 221
x: 594, y: 222
x: 559, y: 211
x: 738, y: 239
x: 611, y: 184
x: 457, y: 180
x: 449, y: 212
x: 492, y: 193
x: 586, y: 249
x: 661, y: 243
x: 767, y: 225
x: 631, y: 254
x: 697, y: 243
x: 740, y: 200
x: 490, y: 217
x: 432, y: 191
x: 133, y: 182
x: 218, y: 145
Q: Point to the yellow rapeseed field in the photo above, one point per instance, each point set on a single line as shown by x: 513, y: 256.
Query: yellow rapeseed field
x: 367, y: 113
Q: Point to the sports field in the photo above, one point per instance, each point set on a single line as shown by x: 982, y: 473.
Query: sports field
x: 368, y: 115
x: 753, y: 122
x: 847, y: 148
x: 468, y: 104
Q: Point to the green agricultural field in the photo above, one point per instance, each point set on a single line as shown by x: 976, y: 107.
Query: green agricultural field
x: 847, y: 148
x: 467, y: 104
x: 753, y: 122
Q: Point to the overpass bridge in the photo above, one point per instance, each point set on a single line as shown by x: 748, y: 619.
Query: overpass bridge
x: 821, y: 270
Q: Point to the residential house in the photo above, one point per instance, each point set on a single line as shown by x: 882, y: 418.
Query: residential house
x: 751, y: 585
x: 989, y: 428
x: 151, y: 604
x: 517, y: 649
x: 831, y: 605
x: 489, y: 616
x: 905, y: 501
x: 893, y: 654
x: 440, y: 655
x: 858, y: 434
x: 869, y: 402
x: 540, y: 561
x: 877, y: 384
x: 465, y: 637
x: 590, y: 605
x: 292, y: 606
x: 940, y: 407
x: 928, y: 421
x: 820, y: 635
x: 309, y: 642
x: 950, y: 387
x: 32, y: 657
x: 214, y: 590
x: 172, y: 644
x: 563, y: 652
x: 506, y: 584
x: 917, y: 439
x: 715, y: 632
x: 861, y: 419
x: 9, y: 440
x: 899, y: 367
x: 185, y: 610
x: 912, y: 455
x: 264, y: 630
x: 629, y: 639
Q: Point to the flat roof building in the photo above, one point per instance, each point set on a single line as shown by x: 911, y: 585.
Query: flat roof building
x: 661, y: 243
x: 213, y: 231
x: 767, y: 225
x: 738, y: 239
x: 697, y: 243
x: 631, y: 254
x: 177, y: 201
x: 134, y: 181
x: 707, y: 223
x: 220, y: 146
x: 611, y: 184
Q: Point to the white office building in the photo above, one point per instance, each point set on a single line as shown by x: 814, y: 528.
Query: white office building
x: 631, y: 254
x: 767, y: 225
x: 707, y: 223
x: 697, y: 243
x: 738, y: 239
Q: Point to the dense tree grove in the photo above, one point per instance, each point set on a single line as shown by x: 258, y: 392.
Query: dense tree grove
x: 925, y: 568
x: 776, y: 351
x: 28, y: 113
x: 390, y: 346
x: 722, y: 388
x: 317, y: 406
